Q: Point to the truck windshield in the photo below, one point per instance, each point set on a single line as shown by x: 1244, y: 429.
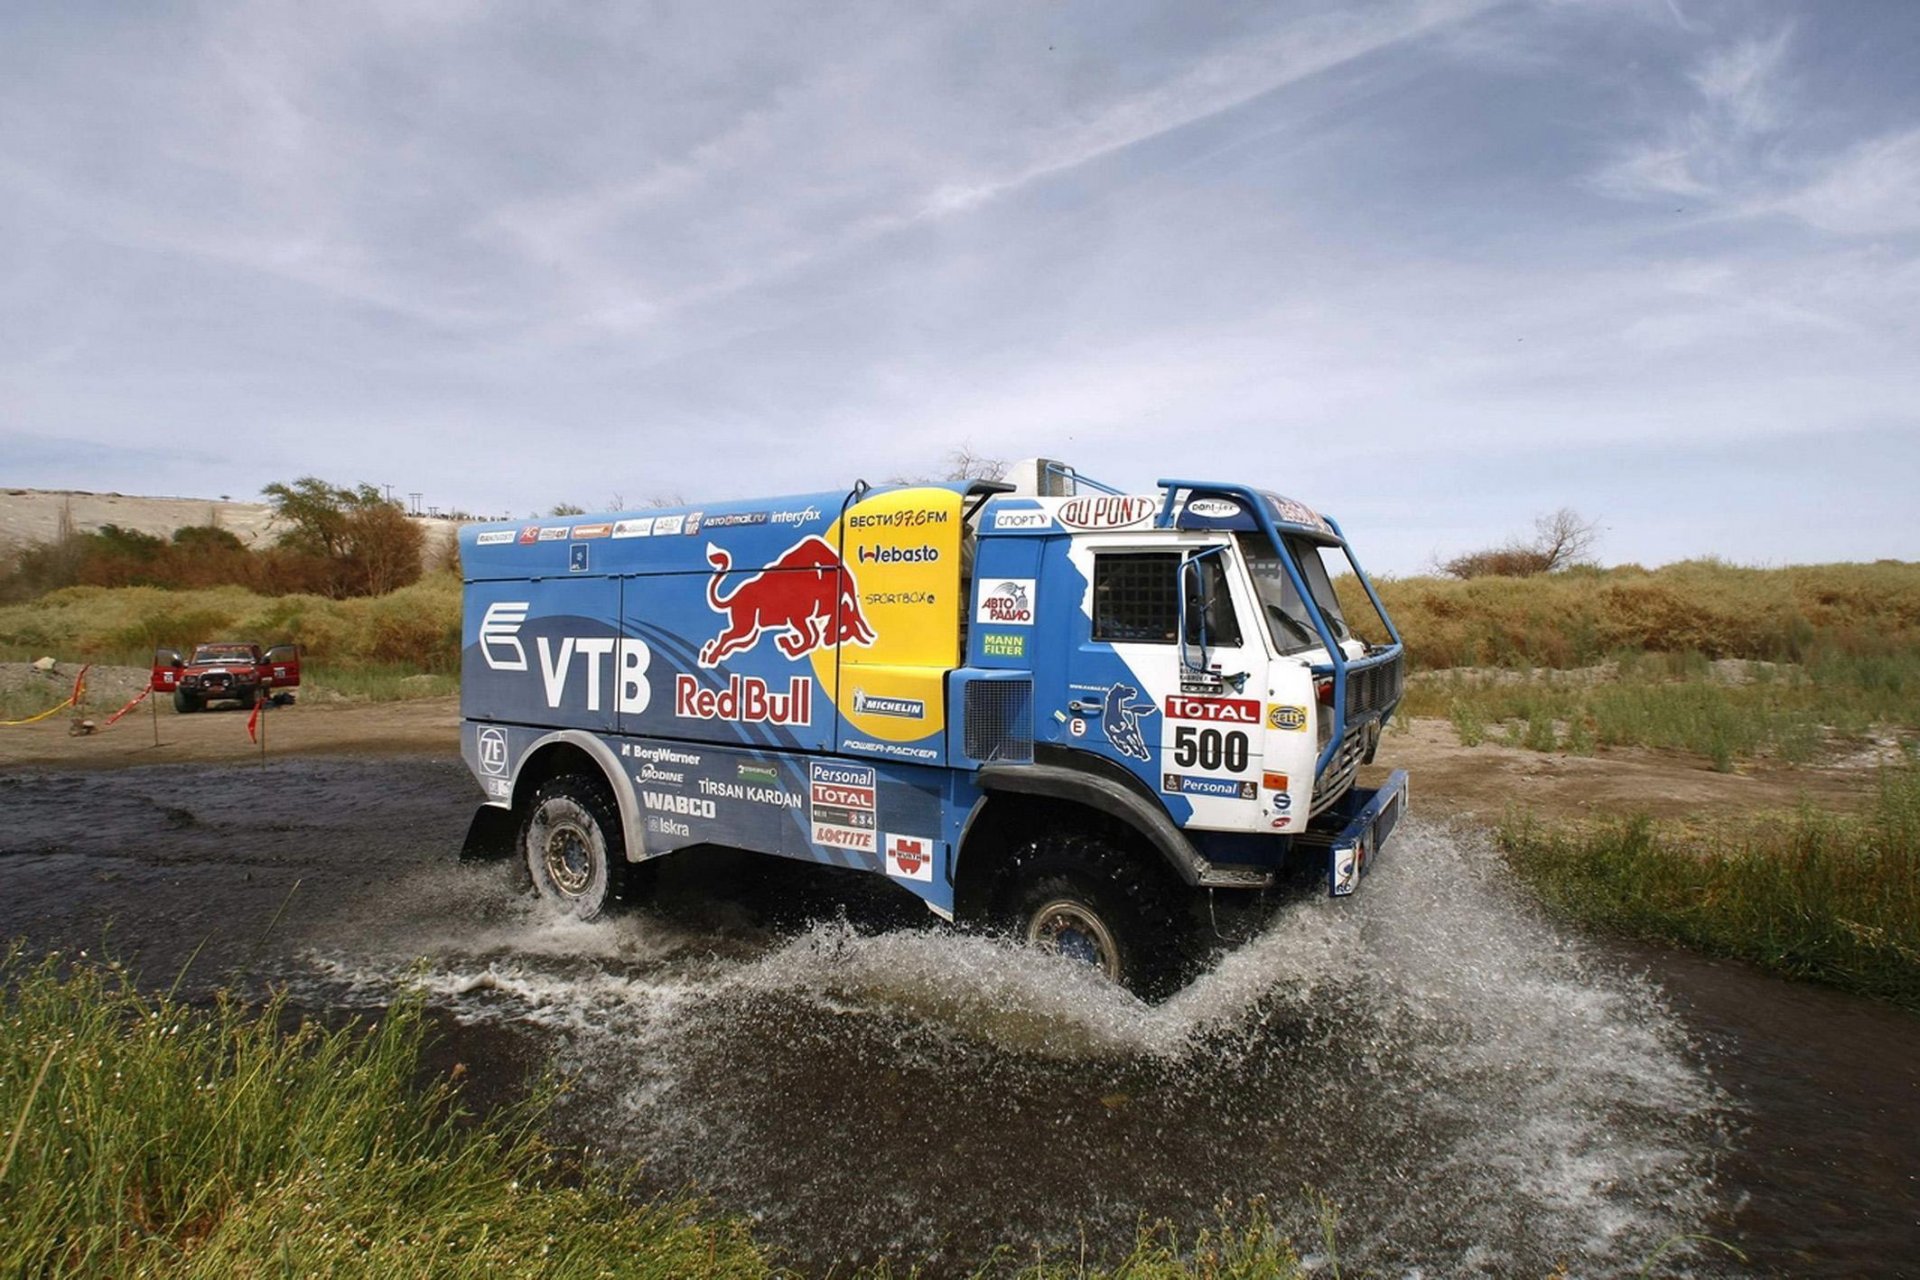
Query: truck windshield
x: 222, y: 653
x: 1286, y: 614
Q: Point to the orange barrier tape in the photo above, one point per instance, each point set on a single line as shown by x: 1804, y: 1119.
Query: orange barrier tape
x: 130, y: 706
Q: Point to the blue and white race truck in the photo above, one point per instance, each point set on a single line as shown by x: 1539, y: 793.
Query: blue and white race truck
x: 1070, y: 710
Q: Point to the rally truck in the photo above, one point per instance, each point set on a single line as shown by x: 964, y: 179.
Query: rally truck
x: 1080, y: 713
x: 224, y: 673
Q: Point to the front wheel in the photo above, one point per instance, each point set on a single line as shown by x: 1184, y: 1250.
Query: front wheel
x: 1088, y: 900
x: 573, y: 845
x: 184, y: 702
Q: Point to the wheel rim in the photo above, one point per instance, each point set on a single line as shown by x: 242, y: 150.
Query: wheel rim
x: 1074, y: 930
x: 569, y: 847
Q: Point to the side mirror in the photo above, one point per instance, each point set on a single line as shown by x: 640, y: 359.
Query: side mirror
x: 1193, y: 616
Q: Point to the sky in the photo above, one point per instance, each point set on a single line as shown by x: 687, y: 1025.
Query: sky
x: 1434, y: 266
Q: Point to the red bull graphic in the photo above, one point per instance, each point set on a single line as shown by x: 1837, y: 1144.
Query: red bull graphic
x: 746, y: 699
x: 806, y: 597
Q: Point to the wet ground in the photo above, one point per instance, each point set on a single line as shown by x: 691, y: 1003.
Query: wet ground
x: 1476, y: 1090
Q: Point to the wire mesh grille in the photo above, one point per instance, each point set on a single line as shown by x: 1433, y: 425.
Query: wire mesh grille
x: 1000, y: 721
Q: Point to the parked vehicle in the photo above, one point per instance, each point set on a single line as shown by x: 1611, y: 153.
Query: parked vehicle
x: 1078, y: 712
x: 224, y: 672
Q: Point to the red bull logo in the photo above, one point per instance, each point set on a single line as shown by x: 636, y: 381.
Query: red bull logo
x: 806, y: 599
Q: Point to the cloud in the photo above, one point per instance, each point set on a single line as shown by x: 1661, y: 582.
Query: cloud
x: 1738, y: 151
x: 1344, y: 250
x: 1872, y: 189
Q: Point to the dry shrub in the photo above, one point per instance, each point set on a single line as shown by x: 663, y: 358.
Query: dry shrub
x: 417, y: 626
x: 1581, y: 616
x: 402, y: 634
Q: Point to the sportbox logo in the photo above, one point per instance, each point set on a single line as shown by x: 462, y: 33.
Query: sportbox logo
x: 745, y: 700
x: 1217, y: 710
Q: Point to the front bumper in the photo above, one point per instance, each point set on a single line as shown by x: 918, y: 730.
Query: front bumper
x: 1371, y: 817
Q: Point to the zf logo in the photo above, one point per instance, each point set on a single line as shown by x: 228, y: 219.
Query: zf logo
x: 493, y: 751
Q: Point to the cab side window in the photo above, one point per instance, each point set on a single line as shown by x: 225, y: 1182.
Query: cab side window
x: 1136, y: 600
x: 1136, y: 597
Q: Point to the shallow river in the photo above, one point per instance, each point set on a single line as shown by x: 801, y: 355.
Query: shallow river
x: 1474, y: 1090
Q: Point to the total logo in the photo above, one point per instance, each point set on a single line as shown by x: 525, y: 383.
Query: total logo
x: 879, y: 554
x: 1218, y: 710
x: 1008, y: 602
x: 503, y: 649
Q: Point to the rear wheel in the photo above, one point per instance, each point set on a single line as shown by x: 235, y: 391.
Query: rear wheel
x: 1090, y: 900
x: 184, y: 702
x: 573, y: 846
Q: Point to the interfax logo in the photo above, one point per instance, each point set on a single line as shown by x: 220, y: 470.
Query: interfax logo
x: 500, y: 635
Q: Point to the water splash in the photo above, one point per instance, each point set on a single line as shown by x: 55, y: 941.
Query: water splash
x: 1479, y: 1092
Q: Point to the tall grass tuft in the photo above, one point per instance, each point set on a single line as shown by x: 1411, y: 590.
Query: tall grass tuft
x: 145, y: 1137
x: 416, y: 627
x: 1677, y: 701
x: 1582, y: 615
x: 1826, y: 897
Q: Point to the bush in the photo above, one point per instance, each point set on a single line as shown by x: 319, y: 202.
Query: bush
x: 1825, y: 897
x: 1580, y: 616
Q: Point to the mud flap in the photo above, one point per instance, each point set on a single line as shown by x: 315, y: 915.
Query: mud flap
x: 1360, y: 841
x: 491, y: 835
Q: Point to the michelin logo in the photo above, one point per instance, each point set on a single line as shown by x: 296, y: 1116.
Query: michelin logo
x: 866, y: 704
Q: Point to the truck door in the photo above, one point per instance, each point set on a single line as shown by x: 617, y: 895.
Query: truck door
x: 1183, y: 709
x: 282, y: 666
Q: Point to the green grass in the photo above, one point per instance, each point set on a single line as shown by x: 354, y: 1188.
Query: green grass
x: 1787, y: 713
x: 1830, y: 898
x: 140, y: 1136
x: 144, y: 1137
x: 1580, y: 616
x: 381, y: 683
x: 416, y: 627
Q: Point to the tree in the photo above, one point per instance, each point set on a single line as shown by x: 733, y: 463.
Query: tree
x: 367, y: 543
x: 567, y: 509
x: 1560, y: 540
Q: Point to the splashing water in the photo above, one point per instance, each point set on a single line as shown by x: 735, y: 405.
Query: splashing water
x: 1478, y: 1093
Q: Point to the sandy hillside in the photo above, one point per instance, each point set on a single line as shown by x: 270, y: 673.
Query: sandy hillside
x: 34, y: 515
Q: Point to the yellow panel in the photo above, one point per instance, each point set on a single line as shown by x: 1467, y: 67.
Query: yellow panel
x: 903, y: 550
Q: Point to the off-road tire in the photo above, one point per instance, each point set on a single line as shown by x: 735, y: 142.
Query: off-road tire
x: 572, y: 845
x: 1072, y: 891
x: 185, y: 703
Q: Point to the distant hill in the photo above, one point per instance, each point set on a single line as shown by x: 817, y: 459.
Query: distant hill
x: 34, y: 515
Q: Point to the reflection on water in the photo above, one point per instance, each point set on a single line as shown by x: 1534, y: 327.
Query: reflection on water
x: 1476, y: 1092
